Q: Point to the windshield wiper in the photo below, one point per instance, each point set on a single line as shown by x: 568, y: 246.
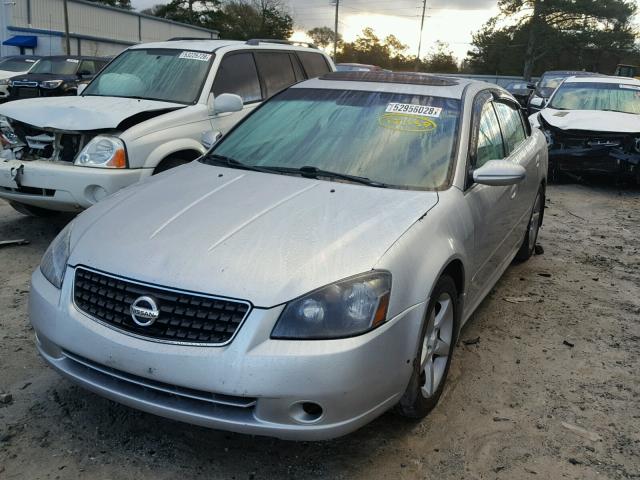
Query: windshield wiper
x: 306, y: 171
x: 215, y: 159
x: 314, y: 172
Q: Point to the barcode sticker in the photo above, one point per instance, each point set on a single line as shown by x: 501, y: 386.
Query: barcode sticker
x: 203, y: 57
x: 411, y: 109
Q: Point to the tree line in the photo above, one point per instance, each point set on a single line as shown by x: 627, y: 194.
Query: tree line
x: 526, y: 37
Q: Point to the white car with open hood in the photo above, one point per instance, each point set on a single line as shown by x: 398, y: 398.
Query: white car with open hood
x: 592, y: 126
x: 154, y: 107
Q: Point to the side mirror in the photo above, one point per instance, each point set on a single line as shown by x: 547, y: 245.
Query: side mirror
x: 81, y: 88
x: 210, y: 138
x: 225, y: 103
x: 499, y: 173
x: 537, y: 102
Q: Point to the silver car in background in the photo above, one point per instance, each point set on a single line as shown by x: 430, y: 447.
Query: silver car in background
x: 311, y: 271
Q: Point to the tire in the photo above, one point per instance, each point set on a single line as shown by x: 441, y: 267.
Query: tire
x: 533, y: 228
x: 32, y: 211
x: 433, y: 358
x: 169, y: 163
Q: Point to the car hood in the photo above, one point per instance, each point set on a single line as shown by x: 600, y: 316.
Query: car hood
x: 592, y: 120
x: 40, y: 77
x: 7, y: 74
x: 261, y: 237
x: 80, y: 113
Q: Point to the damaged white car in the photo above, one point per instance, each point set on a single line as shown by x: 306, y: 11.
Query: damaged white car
x: 592, y: 125
x: 154, y: 107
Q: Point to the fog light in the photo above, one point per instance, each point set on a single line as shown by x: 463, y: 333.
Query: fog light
x: 306, y: 412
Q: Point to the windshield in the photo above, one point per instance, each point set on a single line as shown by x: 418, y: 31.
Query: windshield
x: 597, y: 96
x: 57, y: 66
x: 551, y: 81
x: 17, y: 64
x: 400, y: 140
x: 155, y: 74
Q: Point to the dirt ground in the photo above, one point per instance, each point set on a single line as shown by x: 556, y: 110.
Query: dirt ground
x: 550, y: 390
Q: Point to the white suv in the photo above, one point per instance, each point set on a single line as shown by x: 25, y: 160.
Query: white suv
x: 155, y: 106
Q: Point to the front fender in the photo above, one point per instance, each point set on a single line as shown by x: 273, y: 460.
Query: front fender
x: 164, y: 150
x: 421, y: 255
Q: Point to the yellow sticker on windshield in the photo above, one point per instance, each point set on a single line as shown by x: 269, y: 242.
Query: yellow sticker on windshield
x: 403, y: 122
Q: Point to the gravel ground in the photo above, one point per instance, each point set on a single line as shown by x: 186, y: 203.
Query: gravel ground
x: 544, y: 382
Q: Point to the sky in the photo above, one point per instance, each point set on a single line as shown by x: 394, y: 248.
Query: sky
x: 450, y: 21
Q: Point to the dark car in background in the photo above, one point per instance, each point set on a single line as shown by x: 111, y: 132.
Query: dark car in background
x: 547, y: 85
x: 11, y: 67
x: 521, y: 91
x: 55, y: 76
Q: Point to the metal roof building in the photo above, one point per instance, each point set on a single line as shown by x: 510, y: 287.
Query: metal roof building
x: 37, y: 26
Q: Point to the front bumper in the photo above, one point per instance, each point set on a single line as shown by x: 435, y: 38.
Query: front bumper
x: 61, y: 185
x: 594, y: 161
x: 261, y: 382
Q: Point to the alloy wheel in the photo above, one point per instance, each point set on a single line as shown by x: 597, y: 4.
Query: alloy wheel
x: 436, y: 346
x: 534, y: 223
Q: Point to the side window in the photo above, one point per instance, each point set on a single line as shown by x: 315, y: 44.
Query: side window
x: 87, y: 66
x: 237, y: 74
x: 511, y: 125
x: 296, y: 67
x: 490, y: 146
x: 275, y: 70
x: 314, y: 64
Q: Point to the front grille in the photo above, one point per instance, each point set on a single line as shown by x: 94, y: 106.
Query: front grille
x: 25, y: 92
x: 44, y: 192
x: 165, y: 389
x: 184, y: 317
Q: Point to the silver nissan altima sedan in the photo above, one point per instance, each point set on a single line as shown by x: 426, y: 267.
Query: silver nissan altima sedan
x: 310, y: 272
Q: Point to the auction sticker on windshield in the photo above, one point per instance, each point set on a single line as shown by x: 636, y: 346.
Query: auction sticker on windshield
x: 406, y: 123
x: 412, y: 109
x: 203, y: 57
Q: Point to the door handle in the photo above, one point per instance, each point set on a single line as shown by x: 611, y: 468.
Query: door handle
x: 538, y: 161
x: 514, y: 191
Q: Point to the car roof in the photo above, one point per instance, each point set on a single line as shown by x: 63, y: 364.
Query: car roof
x: 395, y: 82
x: 74, y: 57
x: 23, y: 57
x: 568, y: 72
x: 603, y: 79
x: 206, y: 45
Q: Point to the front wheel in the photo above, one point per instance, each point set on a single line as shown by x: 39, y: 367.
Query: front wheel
x: 433, y: 358
x: 531, y: 236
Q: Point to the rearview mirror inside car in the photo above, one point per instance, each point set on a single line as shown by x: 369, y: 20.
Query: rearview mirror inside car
x: 531, y: 86
x: 499, y: 173
x: 227, y: 103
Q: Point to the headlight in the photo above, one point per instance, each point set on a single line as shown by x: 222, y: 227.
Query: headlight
x: 51, y: 83
x: 344, y: 309
x: 6, y: 130
x: 4, y: 81
x: 54, y: 260
x: 104, y: 152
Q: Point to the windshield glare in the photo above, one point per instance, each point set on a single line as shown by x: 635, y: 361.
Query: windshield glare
x: 401, y: 140
x: 597, y: 96
x: 62, y: 66
x: 155, y: 74
x: 16, y: 64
